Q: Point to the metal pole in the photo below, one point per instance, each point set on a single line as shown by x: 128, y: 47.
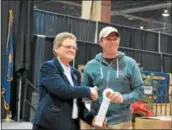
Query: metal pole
x: 159, y: 50
x: 161, y: 62
x: 96, y: 33
x: 19, y: 100
x: 159, y: 42
x: 24, y: 101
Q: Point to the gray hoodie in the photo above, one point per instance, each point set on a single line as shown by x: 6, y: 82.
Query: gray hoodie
x: 123, y: 76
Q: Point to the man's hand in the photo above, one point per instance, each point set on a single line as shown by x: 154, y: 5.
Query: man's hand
x: 116, y: 97
x: 94, y: 93
x: 99, y: 127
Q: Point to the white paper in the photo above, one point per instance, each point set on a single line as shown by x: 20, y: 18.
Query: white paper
x: 102, y: 112
x: 88, y: 106
x: 148, y: 90
x: 75, y: 109
x: 104, y: 107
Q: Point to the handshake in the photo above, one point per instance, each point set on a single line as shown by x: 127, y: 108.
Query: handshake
x: 94, y: 93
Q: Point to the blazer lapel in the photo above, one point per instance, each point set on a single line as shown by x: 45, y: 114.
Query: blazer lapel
x: 74, y: 76
x: 59, y: 67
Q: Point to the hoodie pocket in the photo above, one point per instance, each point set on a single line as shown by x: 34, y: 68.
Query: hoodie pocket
x: 123, y: 84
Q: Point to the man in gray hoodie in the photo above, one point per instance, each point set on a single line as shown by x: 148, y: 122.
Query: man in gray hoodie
x: 114, y: 70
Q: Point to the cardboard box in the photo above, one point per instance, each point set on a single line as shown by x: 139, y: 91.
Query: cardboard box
x: 162, y: 122
x: 84, y: 125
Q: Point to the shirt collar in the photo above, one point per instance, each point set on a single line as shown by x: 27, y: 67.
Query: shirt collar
x: 65, y: 68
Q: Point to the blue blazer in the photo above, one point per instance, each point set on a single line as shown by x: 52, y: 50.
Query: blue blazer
x: 55, y: 105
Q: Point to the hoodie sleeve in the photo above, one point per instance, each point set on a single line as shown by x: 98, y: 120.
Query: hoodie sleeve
x: 86, y: 79
x: 137, y: 86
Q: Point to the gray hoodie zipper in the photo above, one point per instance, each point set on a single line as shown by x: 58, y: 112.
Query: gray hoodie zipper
x: 101, y: 70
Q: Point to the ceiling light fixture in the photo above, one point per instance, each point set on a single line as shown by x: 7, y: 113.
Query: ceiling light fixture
x: 141, y: 27
x: 165, y: 13
x: 130, y: 18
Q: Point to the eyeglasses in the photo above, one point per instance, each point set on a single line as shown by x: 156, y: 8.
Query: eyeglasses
x: 70, y: 47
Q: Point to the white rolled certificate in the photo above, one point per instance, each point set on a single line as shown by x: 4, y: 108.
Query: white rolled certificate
x: 104, y: 107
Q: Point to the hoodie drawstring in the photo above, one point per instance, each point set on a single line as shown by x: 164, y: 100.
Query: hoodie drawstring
x: 101, y: 70
x: 117, y: 71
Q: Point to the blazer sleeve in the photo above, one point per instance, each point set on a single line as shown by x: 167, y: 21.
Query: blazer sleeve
x: 85, y: 114
x: 51, y: 79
